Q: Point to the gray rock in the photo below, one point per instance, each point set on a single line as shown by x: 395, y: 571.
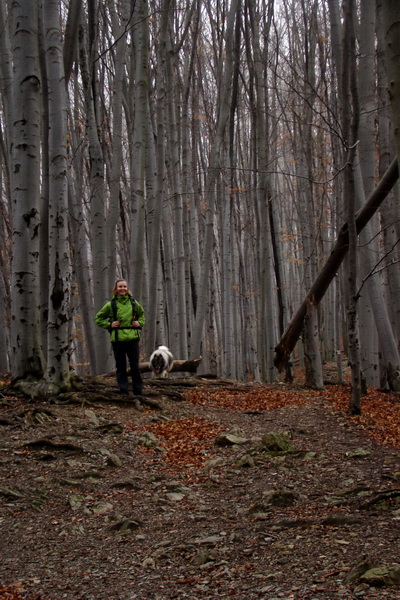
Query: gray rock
x: 353, y: 576
x: 245, y: 461
x: 382, y: 576
x: 92, y: 417
x: 111, y: 459
x: 230, y: 439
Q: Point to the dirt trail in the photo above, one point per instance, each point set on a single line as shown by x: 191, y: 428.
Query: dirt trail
x: 184, y: 499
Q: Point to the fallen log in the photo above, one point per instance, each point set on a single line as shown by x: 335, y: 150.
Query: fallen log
x: 188, y: 366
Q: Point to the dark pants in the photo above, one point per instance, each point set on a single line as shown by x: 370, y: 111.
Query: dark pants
x: 122, y: 350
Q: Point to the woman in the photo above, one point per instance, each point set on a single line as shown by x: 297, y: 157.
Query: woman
x: 124, y: 317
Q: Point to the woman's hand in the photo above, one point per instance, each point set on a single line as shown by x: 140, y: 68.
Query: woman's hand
x: 115, y: 324
x: 135, y: 324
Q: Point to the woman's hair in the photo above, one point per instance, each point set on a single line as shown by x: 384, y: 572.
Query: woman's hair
x: 115, y: 287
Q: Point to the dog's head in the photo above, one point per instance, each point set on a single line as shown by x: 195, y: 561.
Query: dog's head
x: 158, y: 363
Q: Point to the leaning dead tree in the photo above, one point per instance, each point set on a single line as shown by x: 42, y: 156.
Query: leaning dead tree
x: 292, y: 333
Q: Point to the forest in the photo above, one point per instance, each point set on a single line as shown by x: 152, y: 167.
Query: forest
x: 234, y: 161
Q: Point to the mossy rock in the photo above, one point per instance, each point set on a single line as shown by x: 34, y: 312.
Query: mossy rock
x: 382, y: 576
x: 275, y: 442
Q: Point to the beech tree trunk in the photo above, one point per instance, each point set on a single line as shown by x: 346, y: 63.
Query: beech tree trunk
x: 391, y: 12
x: 101, y: 292
x: 119, y: 24
x: 365, y: 172
x: 212, y: 177
x: 391, y: 216
x: 27, y: 357
x: 6, y: 86
x: 57, y: 376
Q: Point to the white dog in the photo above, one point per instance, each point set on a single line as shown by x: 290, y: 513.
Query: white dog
x: 161, y: 361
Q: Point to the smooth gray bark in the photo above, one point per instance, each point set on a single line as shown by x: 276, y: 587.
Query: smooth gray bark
x: 391, y: 12
x: 26, y: 347
x: 57, y: 374
x: 97, y: 199
x: 390, y: 218
x: 211, y: 183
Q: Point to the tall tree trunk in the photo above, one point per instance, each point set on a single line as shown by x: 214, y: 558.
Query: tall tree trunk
x: 232, y: 323
x: 101, y: 292
x: 307, y: 208
x: 71, y: 36
x: 6, y: 87
x: 391, y: 12
x: 45, y: 200
x: 81, y: 260
x: 350, y: 120
x: 261, y: 127
x: 26, y: 347
x: 142, y: 153
x: 210, y: 186
x: 391, y: 19
x: 4, y: 286
x: 178, y: 311
x: 156, y: 178
x: 365, y: 183
x: 119, y: 24
x: 57, y: 375
x: 390, y: 218
x: 189, y: 133
x: 6, y: 79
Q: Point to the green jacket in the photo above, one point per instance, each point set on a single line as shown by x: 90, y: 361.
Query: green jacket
x: 105, y: 317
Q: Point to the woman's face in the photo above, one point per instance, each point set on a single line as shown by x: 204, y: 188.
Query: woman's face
x: 122, y: 288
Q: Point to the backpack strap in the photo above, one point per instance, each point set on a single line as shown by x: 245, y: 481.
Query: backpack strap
x: 115, y: 318
x: 114, y: 308
x: 133, y: 302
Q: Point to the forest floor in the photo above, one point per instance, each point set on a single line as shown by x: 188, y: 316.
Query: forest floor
x: 211, y: 489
